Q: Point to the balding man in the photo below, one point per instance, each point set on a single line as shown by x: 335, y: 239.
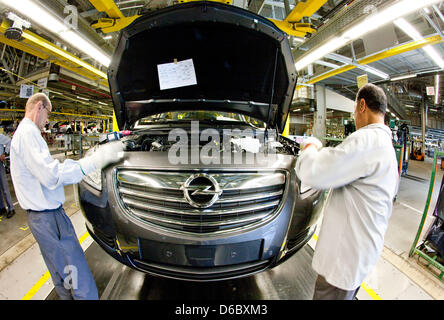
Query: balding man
x: 39, y: 182
x: 362, y: 172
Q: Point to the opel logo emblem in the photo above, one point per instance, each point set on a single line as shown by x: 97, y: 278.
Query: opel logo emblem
x: 201, y: 190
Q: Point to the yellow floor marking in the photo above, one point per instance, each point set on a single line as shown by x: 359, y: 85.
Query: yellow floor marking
x: 24, y: 229
x: 364, y: 285
x: 35, y: 288
x: 370, y: 291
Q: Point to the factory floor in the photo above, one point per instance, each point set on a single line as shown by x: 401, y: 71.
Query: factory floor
x: 23, y: 274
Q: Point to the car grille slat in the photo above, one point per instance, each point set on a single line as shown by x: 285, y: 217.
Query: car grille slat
x: 153, y: 218
x: 158, y: 198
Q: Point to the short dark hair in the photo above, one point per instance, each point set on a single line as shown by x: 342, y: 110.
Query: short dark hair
x: 374, y: 97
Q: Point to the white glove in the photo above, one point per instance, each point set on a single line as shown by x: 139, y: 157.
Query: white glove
x: 311, y: 141
x: 106, y: 154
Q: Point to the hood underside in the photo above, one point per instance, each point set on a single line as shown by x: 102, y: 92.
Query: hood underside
x: 202, y: 56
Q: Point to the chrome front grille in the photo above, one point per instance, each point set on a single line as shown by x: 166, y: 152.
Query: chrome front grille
x: 159, y: 198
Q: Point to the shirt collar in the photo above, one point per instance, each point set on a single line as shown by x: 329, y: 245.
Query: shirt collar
x: 380, y: 126
x: 30, y: 123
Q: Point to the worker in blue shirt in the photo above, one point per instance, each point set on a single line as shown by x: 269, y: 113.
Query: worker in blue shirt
x: 8, y: 210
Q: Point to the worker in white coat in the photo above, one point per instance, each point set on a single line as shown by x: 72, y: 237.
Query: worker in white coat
x: 39, y: 182
x: 362, y: 174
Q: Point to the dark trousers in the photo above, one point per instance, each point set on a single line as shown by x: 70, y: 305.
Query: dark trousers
x: 326, y: 291
x: 62, y: 254
x: 4, y: 189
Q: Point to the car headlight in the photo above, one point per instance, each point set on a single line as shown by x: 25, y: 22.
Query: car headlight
x: 94, y: 179
x: 304, y: 188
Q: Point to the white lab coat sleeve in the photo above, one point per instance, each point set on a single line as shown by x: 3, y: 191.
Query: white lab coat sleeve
x: 48, y: 171
x: 334, y: 167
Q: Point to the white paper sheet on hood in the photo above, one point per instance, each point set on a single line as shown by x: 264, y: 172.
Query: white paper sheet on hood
x: 176, y: 74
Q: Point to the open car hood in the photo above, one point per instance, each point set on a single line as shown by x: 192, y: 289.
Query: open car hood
x: 202, y: 56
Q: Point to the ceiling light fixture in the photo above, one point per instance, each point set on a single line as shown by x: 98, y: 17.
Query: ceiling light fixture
x: 133, y: 7
x: 376, y: 72
x: 415, y: 35
x: 409, y: 106
x: 374, y: 21
x: 56, y: 25
x: 407, y: 76
x: 82, y: 98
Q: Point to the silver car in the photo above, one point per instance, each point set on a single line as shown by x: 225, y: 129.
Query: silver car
x: 207, y: 188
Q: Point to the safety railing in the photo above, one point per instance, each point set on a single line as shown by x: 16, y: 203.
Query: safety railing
x: 417, y: 249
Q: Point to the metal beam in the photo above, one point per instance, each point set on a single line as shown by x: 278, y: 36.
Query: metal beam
x: 8, y: 71
x: 438, y: 12
x: 412, y: 45
x: 256, y: 6
x: 349, y: 61
x: 432, y: 23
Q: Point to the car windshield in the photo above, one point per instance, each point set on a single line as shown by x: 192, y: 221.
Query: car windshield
x: 199, y: 116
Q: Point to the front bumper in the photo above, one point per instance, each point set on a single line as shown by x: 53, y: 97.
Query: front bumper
x: 199, y: 257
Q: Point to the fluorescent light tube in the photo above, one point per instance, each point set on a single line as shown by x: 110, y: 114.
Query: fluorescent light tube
x: 82, y: 98
x: 37, y: 13
x: 415, y: 35
x: 437, y: 89
x: 320, y: 52
x: 409, y: 106
x: 407, y: 76
x: 374, y: 21
x: 87, y: 47
x: 56, y: 25
x: 377, y: 72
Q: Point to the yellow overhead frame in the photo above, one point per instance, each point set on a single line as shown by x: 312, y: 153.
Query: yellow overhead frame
x: 108, y: 25
x: 40, y: 47
x: 413, y: 45
x: 116, y: 20
x: 304, y: 9
x: 23, y: 47
x: 107, y: 6
x: 291, y: 24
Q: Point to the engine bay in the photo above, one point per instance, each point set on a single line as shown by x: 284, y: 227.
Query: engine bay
x: 160, y: 141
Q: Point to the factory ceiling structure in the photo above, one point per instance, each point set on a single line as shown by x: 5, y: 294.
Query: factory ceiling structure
x: 398, y: 44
